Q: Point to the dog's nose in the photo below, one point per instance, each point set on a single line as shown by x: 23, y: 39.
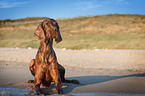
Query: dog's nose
x: 58, y: 39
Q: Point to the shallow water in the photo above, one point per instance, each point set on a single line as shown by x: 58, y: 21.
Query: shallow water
x: 13, y: 92
x: 23, y: 92
x: 105, y: 94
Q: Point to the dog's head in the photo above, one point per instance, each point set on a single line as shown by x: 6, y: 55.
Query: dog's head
x: 48, y: 29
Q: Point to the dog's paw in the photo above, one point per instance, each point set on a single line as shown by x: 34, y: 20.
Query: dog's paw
x: 30, y: 81
x: 60, y: 91
x: 37, y: 91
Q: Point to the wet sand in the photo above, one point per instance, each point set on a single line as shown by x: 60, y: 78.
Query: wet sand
x: 115, y: 71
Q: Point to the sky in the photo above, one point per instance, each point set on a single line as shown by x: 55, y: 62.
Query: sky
x: 16, y: 9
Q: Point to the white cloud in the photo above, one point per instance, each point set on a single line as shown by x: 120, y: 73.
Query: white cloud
x: 117, y: 2
x: 94, y: 4
x: 86, y: 5
x: 11, y: 4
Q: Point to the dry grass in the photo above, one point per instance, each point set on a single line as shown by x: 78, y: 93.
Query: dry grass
x: 105, y: 31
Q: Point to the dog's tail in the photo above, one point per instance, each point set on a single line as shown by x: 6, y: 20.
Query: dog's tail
x: 71, y: 81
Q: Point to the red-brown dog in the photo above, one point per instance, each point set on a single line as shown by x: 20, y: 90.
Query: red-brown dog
x: 45, y: 67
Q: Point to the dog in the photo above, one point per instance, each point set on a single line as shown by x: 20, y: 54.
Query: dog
x: 45, y: 67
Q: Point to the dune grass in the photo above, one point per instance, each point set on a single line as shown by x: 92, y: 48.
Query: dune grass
x: 111, y: 31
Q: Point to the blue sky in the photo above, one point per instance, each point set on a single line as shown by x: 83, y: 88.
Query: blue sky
x: 15, y: 9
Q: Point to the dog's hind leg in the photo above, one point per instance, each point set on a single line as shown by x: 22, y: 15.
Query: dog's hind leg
x: 32, y: 69
x: 62, y: 75
x: 61, y: 72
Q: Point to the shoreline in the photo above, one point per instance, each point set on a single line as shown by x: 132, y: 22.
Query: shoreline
x: 118, y: 72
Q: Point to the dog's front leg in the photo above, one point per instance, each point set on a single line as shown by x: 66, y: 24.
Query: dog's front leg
x: 56, y: 77
x: 38, y: 80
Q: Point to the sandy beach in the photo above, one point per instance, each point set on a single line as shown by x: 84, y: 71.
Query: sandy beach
x: 106, y: 71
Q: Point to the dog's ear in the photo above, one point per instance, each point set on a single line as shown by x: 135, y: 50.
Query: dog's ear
x: 39, y: 32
